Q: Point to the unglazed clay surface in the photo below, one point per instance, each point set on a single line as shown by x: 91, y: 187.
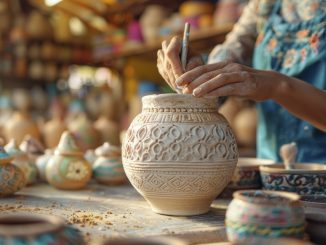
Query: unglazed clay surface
x: 179, y: 153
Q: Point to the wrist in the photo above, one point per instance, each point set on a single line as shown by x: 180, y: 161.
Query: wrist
x: 281, y: 88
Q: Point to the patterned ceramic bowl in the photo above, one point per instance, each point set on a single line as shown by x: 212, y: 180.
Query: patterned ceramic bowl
x: 256, y: 214
x: 304, y: 179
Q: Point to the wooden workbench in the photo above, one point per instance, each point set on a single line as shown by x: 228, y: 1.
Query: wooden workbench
x: 109, y: 211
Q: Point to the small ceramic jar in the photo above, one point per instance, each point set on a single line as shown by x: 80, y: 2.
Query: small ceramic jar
x: 41, y: 163
x: 21, y: 160
x: 27, y: 229
x: 67, y: 168
x: 12, y: 178
x: 108, y: 168
x: 264, y: 214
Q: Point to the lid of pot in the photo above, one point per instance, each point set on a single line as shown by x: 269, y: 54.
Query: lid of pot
x: 67, y: 145
x: 108, y: 150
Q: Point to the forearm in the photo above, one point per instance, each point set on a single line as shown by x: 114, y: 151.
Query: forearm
x: 303, y: 100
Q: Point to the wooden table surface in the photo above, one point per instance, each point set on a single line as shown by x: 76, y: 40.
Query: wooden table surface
x: 109, y: 211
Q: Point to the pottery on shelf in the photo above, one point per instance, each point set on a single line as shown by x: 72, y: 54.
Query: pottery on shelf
x: 12, y: 178
x: 20, y: 125
x: 36, y: 229
x: 316, y: 227
x: 52, y: 131
x: 256, y: 214
x: 108, y: 168
x: 67, y: 168
x: 304, y: 178
x: 179, y: 153
x: 108, y: 129
x: 21, y: 160
x: 87, y: 137
x: 41, y: 163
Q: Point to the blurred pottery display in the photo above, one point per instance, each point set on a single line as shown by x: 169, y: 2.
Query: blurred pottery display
x: 316, y: 227
x: 32, y: 147
x: 67, y: 168
x: 48, y: 51
x: 86, y: 135
x: 245, y: 124
x: 246, y: 174
x: 142, y: 241
x: 62, y: 31
x: 52, y: 131
x: 21, y: 99
x: 39, y: 99
x: 41, y: 163
x: 304, y: 179
x: 109, y: 130
x: 21, y: 160
x: 38, y: 26
x: 36, y: 229
x: 165, y: 143
x: 36, y: 70
x: 20, y: 125
x: 12, y: 178
x: 264, y: 214
x: 108, y: 168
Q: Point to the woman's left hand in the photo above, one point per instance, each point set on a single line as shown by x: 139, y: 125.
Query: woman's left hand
x: 230, y: 79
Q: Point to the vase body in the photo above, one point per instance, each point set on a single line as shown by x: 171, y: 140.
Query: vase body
x: 264, y: 215
x: 41, y: 163
x: 179, y: 153
x: 24, y: 229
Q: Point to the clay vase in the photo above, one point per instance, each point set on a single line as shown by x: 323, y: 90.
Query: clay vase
x: 67, y: 168
x: 36, y: 229
x: 87, y: 137
x: 12, y: 178
x: 179, y: 153
x: 264, y: 214
x: 108, y: 168
x: 109, y: 130
x: 32, y: 147
x: 21, y: 160
x: 52, y: 132
x: 41, y: 163
x: 20, y: 125
x: 245, y: 126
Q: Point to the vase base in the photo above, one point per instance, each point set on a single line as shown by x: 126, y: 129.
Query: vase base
x: 179, y: 207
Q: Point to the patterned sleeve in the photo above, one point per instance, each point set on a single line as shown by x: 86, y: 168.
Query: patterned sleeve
x: 240, y: 42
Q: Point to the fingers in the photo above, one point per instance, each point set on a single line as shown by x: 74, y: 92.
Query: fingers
x: 233, y: 89
x: 219, y: 81
x: 172, y: 52
x: 161, y: 68
x: 194, y: 62
x: 191, y: 75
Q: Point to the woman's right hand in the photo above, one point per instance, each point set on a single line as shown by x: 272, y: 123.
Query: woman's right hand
x: 169, y: 63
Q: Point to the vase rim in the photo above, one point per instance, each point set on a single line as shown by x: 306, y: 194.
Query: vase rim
x: 176, y: 100
x: 270, y: 198
x: 26, y: 224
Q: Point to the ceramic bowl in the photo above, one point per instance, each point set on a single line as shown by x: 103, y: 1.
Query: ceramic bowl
x: 246, y: 174
x: 316, y: 227
x: 36, y: 229
x: 313, y: 203
x: 304, y: 179
x: 256, y: 214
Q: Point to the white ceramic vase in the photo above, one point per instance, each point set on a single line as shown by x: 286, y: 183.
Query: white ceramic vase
x: 179, y: 153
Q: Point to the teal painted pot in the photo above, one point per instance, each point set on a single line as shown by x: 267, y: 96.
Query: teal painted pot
x: 27, y: 229
x: 264, y: 214
x: 12, y: 179
x: 108, y: 168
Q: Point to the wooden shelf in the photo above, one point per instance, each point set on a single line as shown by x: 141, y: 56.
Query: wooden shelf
x: 201, y: 40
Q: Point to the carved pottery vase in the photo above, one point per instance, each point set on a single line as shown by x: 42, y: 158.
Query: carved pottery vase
x: 12, y: 178
x: 36, y: 229
x: 179, y: 153
x: 108, y: 168
x: 21, y: 160
x: 41, y: 163
x: 264, y: 215
x: 87, y: 137
x: 67, y: 168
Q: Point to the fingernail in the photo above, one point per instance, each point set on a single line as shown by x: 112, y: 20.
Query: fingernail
x: 197, y: 91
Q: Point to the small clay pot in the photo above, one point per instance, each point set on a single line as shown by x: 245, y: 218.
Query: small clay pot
x: 264, y: 214
x: 36, y: 229
x: 108, y: 168
x: 67, y: 168
x: 22, y: 161
x: 12, y: 178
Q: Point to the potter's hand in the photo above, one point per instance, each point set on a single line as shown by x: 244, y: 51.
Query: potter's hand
x: 169, y: 63
x: 228, y: 79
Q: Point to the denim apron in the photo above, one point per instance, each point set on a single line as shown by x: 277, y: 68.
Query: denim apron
x: 299, y: 50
